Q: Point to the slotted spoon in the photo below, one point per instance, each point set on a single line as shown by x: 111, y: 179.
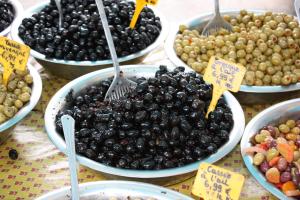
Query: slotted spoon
x: 120, y: 84
x: 216, y: 23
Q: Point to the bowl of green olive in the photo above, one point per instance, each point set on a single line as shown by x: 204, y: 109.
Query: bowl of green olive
x: 18, y: 98
x: 265, y: 43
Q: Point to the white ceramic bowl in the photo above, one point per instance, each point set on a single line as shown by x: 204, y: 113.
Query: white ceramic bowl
x: 274, y: 115
x: 123, y: 189
x: 18, y: 9
x: 35, y: 96
x: 58, y: 101
x: 73, y: 69
x: 200, y: 21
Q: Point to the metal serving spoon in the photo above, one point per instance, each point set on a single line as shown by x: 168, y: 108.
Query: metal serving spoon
x: 68, y: 124
x: 120, y: 84
x: 297, y: 8
x: 216, y: 23
x: 60, y: 21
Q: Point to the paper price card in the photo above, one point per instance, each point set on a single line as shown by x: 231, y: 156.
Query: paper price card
x: 140, y: 4
x: 215, y: 183
x: 224, y: 75
x: 13, y: 55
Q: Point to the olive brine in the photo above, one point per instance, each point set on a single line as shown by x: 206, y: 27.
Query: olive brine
x: 82, y: 37
x: 161, y: 124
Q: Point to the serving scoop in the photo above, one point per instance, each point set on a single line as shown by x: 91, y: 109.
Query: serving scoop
x: 216, y: 23
x: 68, y: 124
x: 120, y: 85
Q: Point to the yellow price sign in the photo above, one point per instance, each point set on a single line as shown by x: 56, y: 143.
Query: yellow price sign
x: 6, y: 73
x: 215, y: 183
x: 140, y: 4
x: 223, y: 75
x: 13, y: 55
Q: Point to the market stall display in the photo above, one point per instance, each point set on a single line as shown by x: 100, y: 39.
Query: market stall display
x: 59, y: 101
x: 81, y: 47
x: 10, y: 10
x: 117, y: 190
x: 18, y: 99
x: 158, y: 132
x: 272, y: 140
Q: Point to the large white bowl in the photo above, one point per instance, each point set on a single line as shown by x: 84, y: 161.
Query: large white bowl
x: 58, y: 101
x: 35, y: 96
x: 199, y: 22
x: 274, y: 115
x: 18, y: 9
x: 122, y: 189
x: 73, y: 69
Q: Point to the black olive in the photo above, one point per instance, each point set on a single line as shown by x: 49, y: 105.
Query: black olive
x: 148, y: 164
x: 140, y: 116
x: 13, y: 154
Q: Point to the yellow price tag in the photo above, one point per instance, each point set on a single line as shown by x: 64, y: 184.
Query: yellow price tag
x: 7, y: 71
x: 140, y: 4
x: 13, y: 55
x: 215, y: 183
x: 223, y: 75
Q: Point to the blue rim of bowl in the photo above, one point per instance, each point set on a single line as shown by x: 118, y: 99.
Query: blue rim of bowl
x: 18, y: 9
x: 144, y: 188
x: 35, y: 96
x: 159, y: 41
x: 192, y: 23
x: 239, y: 124
x: 248, y: 159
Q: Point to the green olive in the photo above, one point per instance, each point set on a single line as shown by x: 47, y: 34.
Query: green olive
x: 258, y: 158
x: 272, y: 153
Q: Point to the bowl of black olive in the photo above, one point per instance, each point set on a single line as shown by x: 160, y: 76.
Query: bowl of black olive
x: 9, y: 11
x: 153, y: 133
x: 80, y: 46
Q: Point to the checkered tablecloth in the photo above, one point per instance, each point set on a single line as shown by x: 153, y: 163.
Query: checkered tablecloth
x: 41, y: 167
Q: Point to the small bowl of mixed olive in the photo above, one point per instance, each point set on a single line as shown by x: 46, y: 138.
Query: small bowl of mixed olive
x: 116, y: 190
x: 18, y: 98
x: 80, y: 46
x: 10, y: 10
x: 266, y: 43
x: 154, y: 133
x: 270, y: 148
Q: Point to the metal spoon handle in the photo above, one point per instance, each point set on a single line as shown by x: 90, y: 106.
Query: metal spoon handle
x: 297, y: 8
x: 109, y: 38
x: 60, y: 21
x: 68, y: 124
x: 217, y: 8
